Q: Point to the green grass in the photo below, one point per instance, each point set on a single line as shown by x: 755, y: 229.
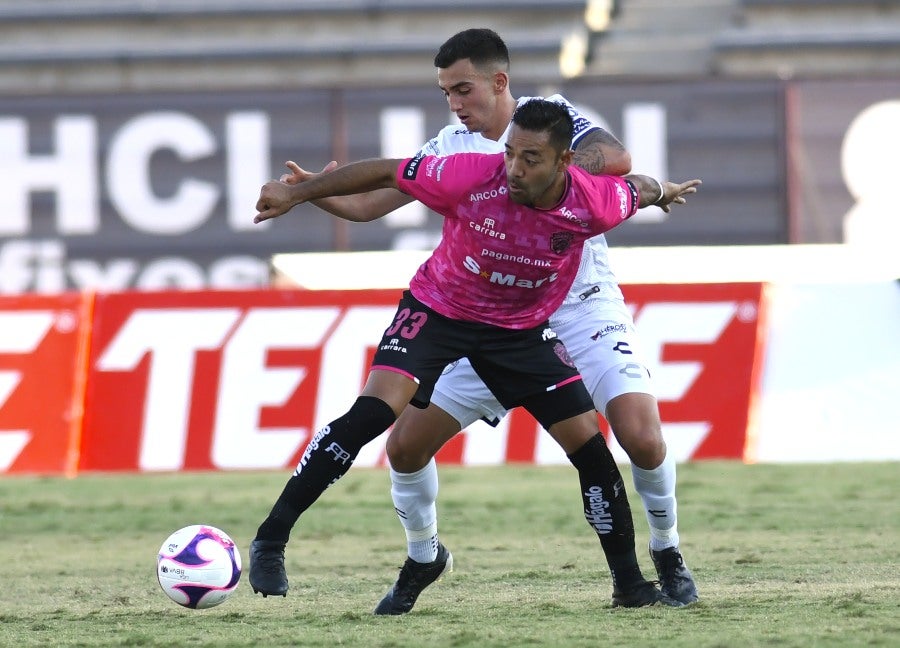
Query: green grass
x: 783, y: 556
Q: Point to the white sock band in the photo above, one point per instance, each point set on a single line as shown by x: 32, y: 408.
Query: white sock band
x: 414, y: 496
x: 657, y: 490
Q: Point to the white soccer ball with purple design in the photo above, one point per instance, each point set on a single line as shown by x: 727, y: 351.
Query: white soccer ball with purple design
x: 198, y: 566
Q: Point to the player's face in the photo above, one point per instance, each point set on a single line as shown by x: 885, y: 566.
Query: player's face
x: 473, y: 95
x: 535, y: 171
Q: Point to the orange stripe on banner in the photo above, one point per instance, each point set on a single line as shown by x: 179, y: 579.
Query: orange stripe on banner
x: 79, y: 384
x: 751, y: 440
x: 521, y: 444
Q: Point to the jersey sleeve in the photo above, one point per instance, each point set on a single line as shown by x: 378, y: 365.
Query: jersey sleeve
x: 613, y: 200
x: 431, y: 147
x: 439, y: 182
x: 439, y: 144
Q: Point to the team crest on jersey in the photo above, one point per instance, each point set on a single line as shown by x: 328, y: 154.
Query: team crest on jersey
x: 560, y: 241
x: 563, y: 354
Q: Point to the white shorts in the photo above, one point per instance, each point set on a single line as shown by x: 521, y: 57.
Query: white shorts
x: 600, y: 338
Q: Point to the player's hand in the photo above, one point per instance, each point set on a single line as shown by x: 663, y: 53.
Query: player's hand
x: 674, y: 193
x: 298, y: 174
x: 275, y: 199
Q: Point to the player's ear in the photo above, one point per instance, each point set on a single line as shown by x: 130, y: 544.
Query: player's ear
x: 566, y: 159
x: 501, y: 82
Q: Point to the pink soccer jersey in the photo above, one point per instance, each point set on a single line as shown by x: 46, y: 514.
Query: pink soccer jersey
x: 500, y: 262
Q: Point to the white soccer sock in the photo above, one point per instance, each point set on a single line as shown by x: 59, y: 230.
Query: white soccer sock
x: 657, y: 490
x: 414, y: 496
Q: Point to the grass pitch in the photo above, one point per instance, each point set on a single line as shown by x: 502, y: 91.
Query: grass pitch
x: 783, y: 556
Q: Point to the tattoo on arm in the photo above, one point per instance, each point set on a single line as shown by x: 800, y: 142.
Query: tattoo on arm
x: 592, y: 151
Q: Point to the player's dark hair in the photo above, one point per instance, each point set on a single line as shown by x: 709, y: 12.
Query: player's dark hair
x: 481, y: 46
x: 540, y: 115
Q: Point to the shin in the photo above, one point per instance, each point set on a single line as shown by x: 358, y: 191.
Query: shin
x: 326, y: 459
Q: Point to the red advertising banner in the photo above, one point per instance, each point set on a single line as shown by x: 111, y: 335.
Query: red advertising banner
x: 43, y: 349
x: 223, y: 380
x: 707, y: 343
x: 704, y: 343
x: 241, y: 380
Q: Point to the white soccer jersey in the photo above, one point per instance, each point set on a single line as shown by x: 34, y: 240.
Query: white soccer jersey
x: 595, y: 279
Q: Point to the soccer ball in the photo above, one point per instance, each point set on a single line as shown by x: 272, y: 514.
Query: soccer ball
x: 198, y: 566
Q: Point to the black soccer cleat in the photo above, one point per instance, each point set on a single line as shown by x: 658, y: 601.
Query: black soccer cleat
x: 414, y: 577
x: 675, y: 579
x: 641, y: 594
x: 267, y: 575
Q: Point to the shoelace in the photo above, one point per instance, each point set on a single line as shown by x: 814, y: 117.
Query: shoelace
x: 409, y: 575
x: 270, y: 562
x: 670, y: 565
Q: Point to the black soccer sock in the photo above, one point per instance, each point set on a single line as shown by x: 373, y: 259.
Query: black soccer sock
x: 327, y: 458
x: 606, y: 508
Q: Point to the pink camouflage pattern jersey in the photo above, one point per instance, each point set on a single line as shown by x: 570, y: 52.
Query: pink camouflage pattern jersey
x: 509, y: 263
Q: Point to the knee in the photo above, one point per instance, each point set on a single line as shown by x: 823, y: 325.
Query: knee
x: 643, y: 443
x: 634, y: 419
x: 573, y: 433
x: 417, y: 436
x: 405, y: 457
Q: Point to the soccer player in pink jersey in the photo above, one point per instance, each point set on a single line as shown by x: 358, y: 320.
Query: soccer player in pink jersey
x: 513, y: 232
x: 594, y: 322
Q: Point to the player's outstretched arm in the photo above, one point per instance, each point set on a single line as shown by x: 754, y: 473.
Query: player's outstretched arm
x: 662, y: 193
x: 362, y: 207
x: 277, y: 198
x: 599, y: 152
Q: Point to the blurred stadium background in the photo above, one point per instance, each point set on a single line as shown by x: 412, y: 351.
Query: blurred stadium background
x: 135, y: 134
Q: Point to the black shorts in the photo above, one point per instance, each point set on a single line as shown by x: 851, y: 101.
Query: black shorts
x: 528, y: 367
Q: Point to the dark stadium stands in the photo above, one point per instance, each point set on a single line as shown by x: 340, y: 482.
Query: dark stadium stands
x: 92, y: 45
x: 47, y: 45
x: 654, y: 38
x: 751, y: 37
x: 811, y: 38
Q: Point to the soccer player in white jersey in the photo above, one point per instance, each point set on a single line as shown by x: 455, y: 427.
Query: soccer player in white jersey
x: 475, y: 297
x: 473, y: 72
x: 594, y: 322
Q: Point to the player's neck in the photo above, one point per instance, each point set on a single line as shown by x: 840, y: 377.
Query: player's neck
x: 554, y: 193
x: 506, y: 106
